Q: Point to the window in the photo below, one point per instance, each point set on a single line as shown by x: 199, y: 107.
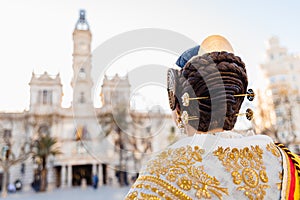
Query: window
x: 82, y: 99
x: 45, y: 97
x: 81, y: 70
x: 22, y: 168
x: 45, y: 94
x: 7, y: 134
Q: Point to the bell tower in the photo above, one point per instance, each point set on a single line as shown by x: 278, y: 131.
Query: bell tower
x: 82, y: 82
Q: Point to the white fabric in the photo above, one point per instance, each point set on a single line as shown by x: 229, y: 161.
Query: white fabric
x: 213, y: 166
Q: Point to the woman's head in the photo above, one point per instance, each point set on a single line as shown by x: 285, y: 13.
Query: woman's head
x: 214, y: 77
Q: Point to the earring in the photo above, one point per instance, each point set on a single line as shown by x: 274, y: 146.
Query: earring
x: 249, y: 114
x: 180, y: 124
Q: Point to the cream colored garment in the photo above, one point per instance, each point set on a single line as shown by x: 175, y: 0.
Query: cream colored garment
x: 226, y: 165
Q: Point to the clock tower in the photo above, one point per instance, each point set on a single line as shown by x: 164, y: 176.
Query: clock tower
x: 82, y: 82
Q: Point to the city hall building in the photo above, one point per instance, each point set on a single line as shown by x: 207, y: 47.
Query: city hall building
x: 89, y: 138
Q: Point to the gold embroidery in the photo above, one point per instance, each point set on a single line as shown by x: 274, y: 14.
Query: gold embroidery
x: 177, y: 165
x: 205, y: 184
x: 237, y: 178
x: 279, y: 185
x: 161, y: 188
x: 132, y: 196
x: 250, y: 177
x: 149, y: 196
x: 184, y: 183
x: 263, y: 176
x: 175, y: 159
x: 246, y: 166
x: 273, y: 149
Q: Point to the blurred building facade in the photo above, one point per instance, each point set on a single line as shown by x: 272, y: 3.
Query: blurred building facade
x: 279, y: 104
x: 100, y: 141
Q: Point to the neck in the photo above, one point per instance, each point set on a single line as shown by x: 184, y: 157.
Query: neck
x: 191, y: 131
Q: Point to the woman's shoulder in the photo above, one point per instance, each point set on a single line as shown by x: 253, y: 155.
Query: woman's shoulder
x: 228, y: 138
x: 220, y: 161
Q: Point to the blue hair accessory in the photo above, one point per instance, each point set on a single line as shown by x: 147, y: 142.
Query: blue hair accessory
x: 187, y: 55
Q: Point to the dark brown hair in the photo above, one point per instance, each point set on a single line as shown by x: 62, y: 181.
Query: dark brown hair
x: 219, y: 76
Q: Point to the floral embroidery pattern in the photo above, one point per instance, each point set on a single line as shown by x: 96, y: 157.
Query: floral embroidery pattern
x: 279, y: 185
x: 177, y: 165
x: 132, y: 196
x: 149, y: 196
x: 273, y: 149
x: 246, y: 166
x: 161, y: 188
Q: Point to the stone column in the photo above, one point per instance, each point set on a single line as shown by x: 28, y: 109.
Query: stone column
x: 63, y: 176
x: 100, y: 174
x: 94, y: 169
x: 111, y: 178
x: 69, y: 175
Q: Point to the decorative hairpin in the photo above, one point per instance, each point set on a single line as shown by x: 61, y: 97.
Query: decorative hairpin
x: 186, y: 97
x: 185, y: 118
x: 250, y: 95
x: 249, y: 114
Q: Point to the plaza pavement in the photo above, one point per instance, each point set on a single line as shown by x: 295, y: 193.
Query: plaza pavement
x: 104, y: 192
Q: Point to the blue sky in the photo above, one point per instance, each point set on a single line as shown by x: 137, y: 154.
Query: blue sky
x: 37, y: 35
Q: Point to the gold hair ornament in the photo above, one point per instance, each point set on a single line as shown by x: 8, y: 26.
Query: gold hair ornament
x: 186, y: 97
x: 249, y: 114
x: 185, y: 118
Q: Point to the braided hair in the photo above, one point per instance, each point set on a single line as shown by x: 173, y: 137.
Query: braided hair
x: 219, y: 76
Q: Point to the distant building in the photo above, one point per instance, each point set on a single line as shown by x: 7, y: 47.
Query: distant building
x: 279, y: 105
x: 88, y: 137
